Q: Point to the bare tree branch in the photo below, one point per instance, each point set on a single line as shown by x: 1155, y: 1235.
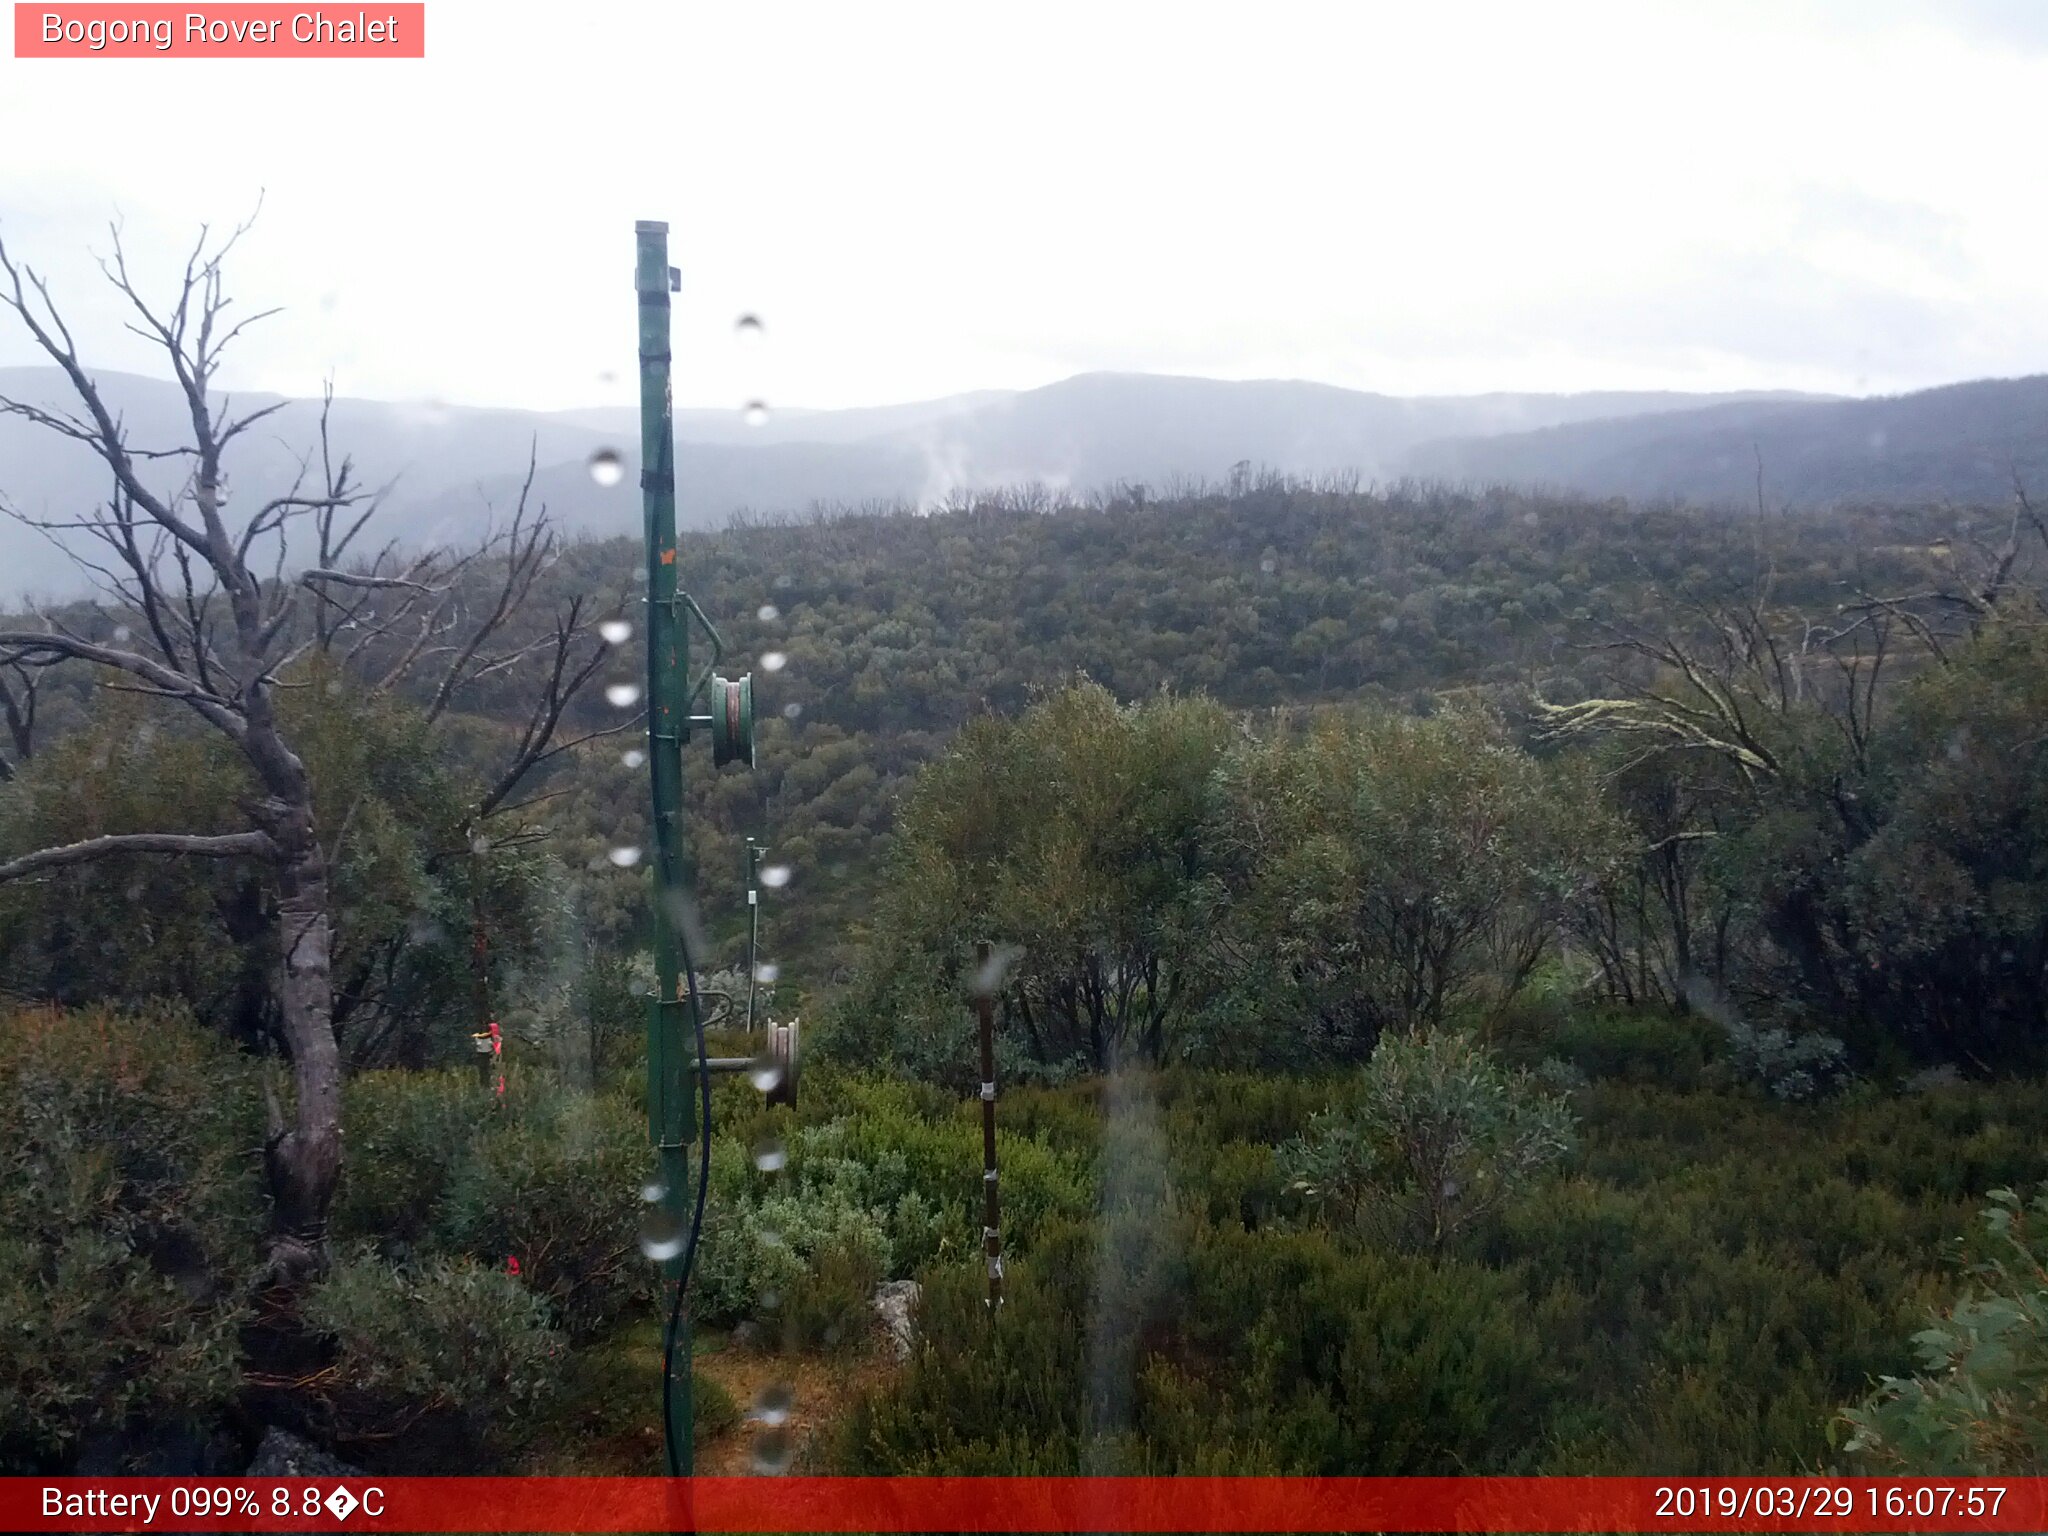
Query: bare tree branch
x: 224, y: 845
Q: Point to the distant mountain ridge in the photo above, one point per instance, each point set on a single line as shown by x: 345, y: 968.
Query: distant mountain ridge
x: 446, y: 465
x: 1959, y: 443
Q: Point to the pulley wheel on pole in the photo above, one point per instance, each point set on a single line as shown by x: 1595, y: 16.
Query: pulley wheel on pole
x: 732, y: 720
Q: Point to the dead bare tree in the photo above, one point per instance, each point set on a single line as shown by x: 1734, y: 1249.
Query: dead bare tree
x: 1758, y: 697
x: 206, y: 611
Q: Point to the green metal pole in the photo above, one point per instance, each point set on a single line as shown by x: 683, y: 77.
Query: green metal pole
x: 671, y: 1110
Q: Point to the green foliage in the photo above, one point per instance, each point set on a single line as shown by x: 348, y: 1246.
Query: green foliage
x: 798, y: 1249
x: 550, y: 1176
x: 1439, y: 1135
x: 458, y: 1344
x: 713, y: 1412
x: 553, y: 1180
x: 1979, y: 1403
x: 1168, y: 889
x: 1716, y: 1272
x: 884, y: 1181
x: 1787, y: 1066
x: 1641, y: 1047
x: 1072, y: 834
x: 1383, y: 872
x: 1273, y: 1354
x: 901, y: 629
x: 132, y: 932
x: 128, y: 1214
x: 391, y: 797
x: 1865, y: 861
x: 406, y: 1134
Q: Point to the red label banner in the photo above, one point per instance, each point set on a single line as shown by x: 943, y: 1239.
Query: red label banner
x: 226, y: 31
x: 973, y: 1504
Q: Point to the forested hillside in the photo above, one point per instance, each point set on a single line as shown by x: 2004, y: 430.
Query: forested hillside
x: 1655, y: 857
x: 897, y: 629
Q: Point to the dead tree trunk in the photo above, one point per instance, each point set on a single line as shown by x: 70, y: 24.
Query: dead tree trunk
x: 172, y: 564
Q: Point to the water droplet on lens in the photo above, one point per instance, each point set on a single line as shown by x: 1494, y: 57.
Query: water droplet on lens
x: 633, y: 758
x: 768, y: 613
x: 605, y: 467
x: 661, y: 1234
x: 988, y: 979
x: 773, y: 661
x: 766, y: 973
x: 749, y: 328
x: 756, y: 413
x: 479, y: 844
x: 775, y: 876
x: 621, y: 695
x: 121, y: 632
x: 791, y: 710
x: 615, y: 631
x: 653, y: 1191
x: 766, y: 1075
x: 772, y: 1406
x: 782, y: 582
x: 772, y: 1451
x: 771, y: 1238
x: 1269, y: 565
x: 770, y: 1155
x: 625, y: 858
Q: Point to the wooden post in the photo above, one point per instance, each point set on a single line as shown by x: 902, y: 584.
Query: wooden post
x: 991, y: 1219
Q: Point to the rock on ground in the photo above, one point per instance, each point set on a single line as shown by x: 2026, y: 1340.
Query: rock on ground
x: 286, y: 1455
x: 895, y: 1301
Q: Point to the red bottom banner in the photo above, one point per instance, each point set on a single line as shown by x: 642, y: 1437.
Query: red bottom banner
x: 966, y: 1504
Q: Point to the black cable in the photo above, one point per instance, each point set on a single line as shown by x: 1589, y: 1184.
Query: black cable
x: 675, y: 1311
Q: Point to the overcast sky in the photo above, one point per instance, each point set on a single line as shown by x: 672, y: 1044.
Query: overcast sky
x: 921, y: 200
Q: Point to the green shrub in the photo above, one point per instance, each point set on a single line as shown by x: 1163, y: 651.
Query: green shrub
x: 713, y: 1412
x: 828, y: 1304
x: 1362, y: 1363
x: 129, y: 1213
x: 1979, y: 1404
x: 1641, y: 1047
x: 759, y: 1250
x: 1441, y: 1134
x: 406, y: 1134
x: 450, y: 1344
x: 1250, y: 1353
x: 552, y: 1178
x: 1792, y: 1067
x: 984, y: 1395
